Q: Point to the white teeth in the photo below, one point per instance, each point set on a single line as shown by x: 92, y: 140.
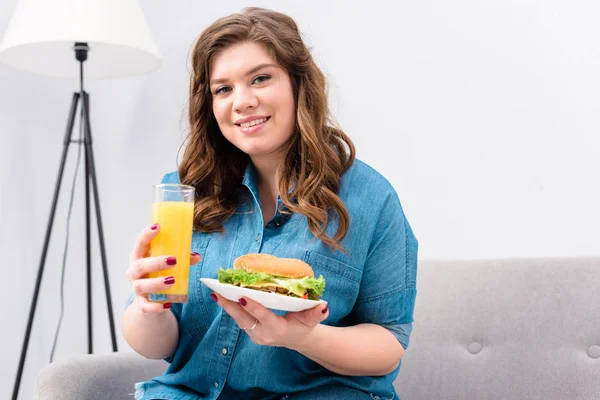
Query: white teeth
x: 252, y: 123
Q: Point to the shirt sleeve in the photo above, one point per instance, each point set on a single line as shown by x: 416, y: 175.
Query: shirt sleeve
x: 388, y: 288
x: 401, y: 332
x: 175, y: 309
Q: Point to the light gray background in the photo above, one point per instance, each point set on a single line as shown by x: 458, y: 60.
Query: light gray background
x: 482, y: 114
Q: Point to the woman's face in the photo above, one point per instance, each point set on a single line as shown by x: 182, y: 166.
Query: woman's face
x: 253, y: 100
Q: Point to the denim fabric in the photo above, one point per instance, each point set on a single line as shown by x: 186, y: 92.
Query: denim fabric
x: 374, y: 283
x: 329, y: 393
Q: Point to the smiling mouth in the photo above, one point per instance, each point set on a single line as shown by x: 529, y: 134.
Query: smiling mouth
x: 255, y: 122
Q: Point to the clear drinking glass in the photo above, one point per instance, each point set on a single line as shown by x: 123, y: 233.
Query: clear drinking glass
x: 173, y: 210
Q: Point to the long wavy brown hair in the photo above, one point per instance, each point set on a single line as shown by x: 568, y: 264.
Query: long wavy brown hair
x: 318, y: 152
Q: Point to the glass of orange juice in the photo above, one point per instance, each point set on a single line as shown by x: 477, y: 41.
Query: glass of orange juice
x: 173, y: 210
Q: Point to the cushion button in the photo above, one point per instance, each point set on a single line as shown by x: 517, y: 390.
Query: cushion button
x: 594, y: 351
x: 474, y: 347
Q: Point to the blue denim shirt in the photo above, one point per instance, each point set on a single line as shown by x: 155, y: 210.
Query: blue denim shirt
x: 373, y: 283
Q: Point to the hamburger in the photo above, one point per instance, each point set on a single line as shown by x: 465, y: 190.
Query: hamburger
x: 267, y: 273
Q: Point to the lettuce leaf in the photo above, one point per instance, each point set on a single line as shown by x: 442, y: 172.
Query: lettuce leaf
x: 234, y: 276
x: 314, y: 287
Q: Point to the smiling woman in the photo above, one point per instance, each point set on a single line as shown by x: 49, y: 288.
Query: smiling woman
x: 247, y: 68
x: 277, y: 186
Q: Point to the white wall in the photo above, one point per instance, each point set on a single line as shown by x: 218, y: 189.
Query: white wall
x: 483, y: 115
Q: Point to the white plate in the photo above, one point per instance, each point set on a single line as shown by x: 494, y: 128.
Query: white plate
x: 267, y: 299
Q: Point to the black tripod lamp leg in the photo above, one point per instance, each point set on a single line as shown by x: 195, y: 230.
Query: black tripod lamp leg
x: 92, y: 175
x: 38, y: 281
x: 88, y: 243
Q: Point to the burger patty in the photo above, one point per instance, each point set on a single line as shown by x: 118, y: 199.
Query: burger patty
x: 271, y: 289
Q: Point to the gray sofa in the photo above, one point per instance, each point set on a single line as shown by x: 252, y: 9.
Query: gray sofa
x: 488, y: 329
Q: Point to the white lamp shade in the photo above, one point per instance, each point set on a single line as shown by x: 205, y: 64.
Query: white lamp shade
x: 41, y: 35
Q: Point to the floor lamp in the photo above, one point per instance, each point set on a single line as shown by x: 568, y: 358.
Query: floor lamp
x: 111, y: 38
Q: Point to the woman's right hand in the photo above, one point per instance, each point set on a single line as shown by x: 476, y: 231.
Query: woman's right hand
x: 140, y: 265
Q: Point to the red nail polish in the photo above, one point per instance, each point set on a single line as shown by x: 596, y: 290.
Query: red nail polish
x: 195, y: 254
x: 171, y: 261
x: 324, y: 311
x: 154, y: 226
x: 169, y: 280
x: 243, y: 302
x: 214, y: 297
x: 167, y: 305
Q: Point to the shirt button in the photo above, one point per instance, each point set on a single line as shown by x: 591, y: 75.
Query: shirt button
x: 216, y: 384
x: 224, y: 351
x: 257, y: 238
x: 277, y: 223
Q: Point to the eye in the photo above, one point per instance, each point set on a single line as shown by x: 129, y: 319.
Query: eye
x: 222, y: 89
x: 261, y: 78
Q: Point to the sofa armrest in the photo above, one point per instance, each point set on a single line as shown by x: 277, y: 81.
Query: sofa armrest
x: 96, y: 376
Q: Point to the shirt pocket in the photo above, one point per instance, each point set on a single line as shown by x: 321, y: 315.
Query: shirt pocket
x: 342, y: 282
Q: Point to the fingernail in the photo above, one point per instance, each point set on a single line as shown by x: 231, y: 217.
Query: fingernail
x: 171, y: 261
x: 154, y: 226
x: 214, y: 297
x: 167, y: 305
x: 243, y: 302
x: 169, y: 280
x: 195, y: 254
x: 324, y: 311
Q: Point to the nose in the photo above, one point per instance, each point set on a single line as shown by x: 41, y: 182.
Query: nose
x: 244, y: 98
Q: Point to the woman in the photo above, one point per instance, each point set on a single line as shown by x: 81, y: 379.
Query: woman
x: 274, y: 175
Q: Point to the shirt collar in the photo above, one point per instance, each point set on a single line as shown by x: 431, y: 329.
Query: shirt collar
x: 250, y: 180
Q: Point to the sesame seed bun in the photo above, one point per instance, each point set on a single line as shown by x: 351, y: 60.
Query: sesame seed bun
x: 267, y: 263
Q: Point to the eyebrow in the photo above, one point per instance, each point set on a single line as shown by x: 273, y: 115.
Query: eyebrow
x: 250, y: 72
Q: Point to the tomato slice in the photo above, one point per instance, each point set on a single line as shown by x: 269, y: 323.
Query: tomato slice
x: 305, y: 297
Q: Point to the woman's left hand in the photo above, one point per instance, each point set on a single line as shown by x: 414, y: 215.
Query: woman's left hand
x: 271, y: 329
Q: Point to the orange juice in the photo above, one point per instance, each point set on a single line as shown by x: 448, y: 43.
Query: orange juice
x: 175, y: 219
